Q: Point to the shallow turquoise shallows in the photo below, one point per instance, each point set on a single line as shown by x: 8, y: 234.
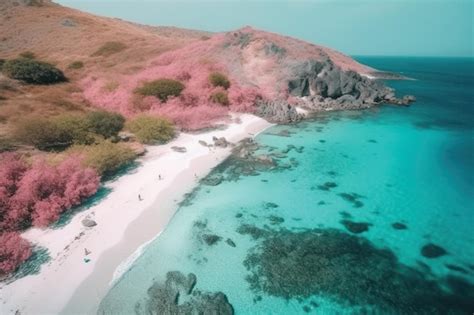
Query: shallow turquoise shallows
x: 394, y: 179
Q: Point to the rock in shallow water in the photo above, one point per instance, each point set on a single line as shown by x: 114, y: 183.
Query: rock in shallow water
x: 211, y: 239
x: 356, y: 227
x: 230, y: 242
x: 433, y: 251
x: 399, y: 226
x: 177, y: 297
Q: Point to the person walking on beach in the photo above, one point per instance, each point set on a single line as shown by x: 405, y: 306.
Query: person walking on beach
x: 159, y: 177
x: 140, y: 197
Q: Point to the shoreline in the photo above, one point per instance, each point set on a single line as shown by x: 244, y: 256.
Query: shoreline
x: 125, y: 225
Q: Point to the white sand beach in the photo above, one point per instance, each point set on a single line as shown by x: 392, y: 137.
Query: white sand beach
x: 67, y: 284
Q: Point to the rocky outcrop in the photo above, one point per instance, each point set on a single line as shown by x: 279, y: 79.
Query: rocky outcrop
x: 323, y: 86
x: 220, y: 142
x: 177, y: 296
x: 212, y: 180
x: 277, y: 111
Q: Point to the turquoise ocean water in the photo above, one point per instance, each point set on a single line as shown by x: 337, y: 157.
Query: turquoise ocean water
x: 353, y: 200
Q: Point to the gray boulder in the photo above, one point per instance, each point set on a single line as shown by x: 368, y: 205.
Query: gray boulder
x: 220, y: 142
x: 177, y: 296
x: 203, y: 143
x: 88, y: 223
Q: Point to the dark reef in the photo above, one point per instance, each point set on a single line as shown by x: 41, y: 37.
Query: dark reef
x: 349, y: 269
x: 352, y: 198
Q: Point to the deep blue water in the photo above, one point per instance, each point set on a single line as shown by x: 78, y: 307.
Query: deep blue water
x: 316, y: 233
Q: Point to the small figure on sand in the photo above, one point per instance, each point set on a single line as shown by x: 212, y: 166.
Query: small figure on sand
x: 159, y: 177
x: 86, y: 251
x: 140, y: 197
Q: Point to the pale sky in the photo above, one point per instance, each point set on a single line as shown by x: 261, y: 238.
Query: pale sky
x: 355, y: 27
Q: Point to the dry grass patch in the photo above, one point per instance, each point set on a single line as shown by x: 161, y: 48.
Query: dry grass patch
x: 109, y: 48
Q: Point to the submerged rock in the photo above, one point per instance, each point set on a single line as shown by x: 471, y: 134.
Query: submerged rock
x: 211, y: 239
x: 356, y: 227
x: 433, y: 251
x: 399, y: 226
x: 270, y: 205
x: 275, y: 219
x: 177, y: 297
x: 352, y: 198
x: 230, y: 242
x: 212, y: 180
x: 327, y: 186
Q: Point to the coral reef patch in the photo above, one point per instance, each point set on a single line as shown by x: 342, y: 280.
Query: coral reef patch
x: 349, y: 269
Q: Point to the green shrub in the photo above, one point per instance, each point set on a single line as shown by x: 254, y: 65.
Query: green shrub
x: 220, y: 97
x: 76, y: 128
x: 56, y: 133
x: 32, y: 71
x: 110, y: 48
x: 2, y: 62
x: 6, y: 144
x: 162, y: 88
x: 76, y: 65
x: 27, y: 55
x: 42, y: 134
x: 219, y: 79
x: 104, y: 123
x: 106, y: 157
x: 149, y: 129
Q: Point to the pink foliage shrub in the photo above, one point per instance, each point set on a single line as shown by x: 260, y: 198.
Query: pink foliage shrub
x: 38, y: 194
x: 14, y: 250
x: 191, y: 65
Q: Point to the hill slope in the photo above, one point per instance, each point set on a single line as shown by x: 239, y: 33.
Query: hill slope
x: 267, y: 72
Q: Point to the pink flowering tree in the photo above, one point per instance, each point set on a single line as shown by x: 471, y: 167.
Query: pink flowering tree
x: 39, y: 193
x: 14, y: 250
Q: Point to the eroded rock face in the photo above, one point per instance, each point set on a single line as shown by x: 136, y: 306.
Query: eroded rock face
x: 277, y: 111
x: 177, y: 297
x: 324, y: 86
